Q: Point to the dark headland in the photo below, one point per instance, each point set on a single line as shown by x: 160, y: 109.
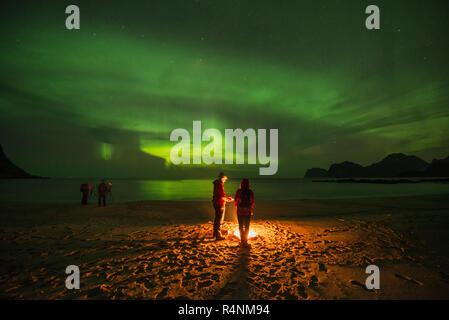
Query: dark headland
x: 9, y: 170
x: 396, y: 165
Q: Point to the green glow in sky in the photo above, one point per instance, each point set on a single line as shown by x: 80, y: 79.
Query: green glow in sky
x: 111, y: 93
x: 106, y: 151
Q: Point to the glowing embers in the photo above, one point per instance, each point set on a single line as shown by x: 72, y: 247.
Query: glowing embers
x: 251, y: 234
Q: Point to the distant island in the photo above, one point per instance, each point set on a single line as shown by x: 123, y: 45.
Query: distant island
x: 9, y: 170
x: 395, y: 165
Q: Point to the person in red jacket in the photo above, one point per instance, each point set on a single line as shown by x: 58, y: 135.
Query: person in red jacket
x: 219, y: 200
x: 244, y: 201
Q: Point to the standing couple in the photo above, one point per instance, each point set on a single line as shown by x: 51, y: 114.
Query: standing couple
x: 244, y: 202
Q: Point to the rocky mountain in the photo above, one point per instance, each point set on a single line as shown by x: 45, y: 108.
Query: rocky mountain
x: 439, y: 168
x: 9, y: 170
x: 345, y: 169
x: 394, y: 165
x: 316, y: 173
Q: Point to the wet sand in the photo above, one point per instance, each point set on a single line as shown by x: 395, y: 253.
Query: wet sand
x: 307, y: 249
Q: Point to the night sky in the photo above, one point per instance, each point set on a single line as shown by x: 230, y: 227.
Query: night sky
x: 101, y: 101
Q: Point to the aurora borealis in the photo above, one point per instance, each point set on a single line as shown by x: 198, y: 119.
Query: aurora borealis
x: 102, y: 100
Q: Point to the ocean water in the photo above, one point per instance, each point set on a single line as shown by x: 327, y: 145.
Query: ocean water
x: 67, y: 190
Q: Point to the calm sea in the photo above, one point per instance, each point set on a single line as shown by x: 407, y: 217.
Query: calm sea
x: 67, y: 190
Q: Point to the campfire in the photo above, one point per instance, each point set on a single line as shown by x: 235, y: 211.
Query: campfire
x: 251, y: 234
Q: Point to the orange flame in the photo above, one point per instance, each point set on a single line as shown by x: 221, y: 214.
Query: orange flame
x: 251, y: 234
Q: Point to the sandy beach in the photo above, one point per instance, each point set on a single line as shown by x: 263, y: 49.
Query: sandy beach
x: 305, y: 249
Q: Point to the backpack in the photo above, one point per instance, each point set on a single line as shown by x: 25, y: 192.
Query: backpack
x: 245, y: 198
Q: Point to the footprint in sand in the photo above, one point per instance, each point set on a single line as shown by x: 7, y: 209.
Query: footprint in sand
x: 403, y: 277
x: 313, y: 282
x: 444, y: 275
x: 357, y: 283
x: 322, y: 267
x: 301, y: 291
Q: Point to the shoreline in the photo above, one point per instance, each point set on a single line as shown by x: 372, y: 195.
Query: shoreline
x: 383, y: 181
x: 93, y: 202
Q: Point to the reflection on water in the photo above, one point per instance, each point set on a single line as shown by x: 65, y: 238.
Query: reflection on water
x: 64, y: 190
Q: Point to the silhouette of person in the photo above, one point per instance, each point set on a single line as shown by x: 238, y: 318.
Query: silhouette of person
x: 219, y: 201
x: 85, y: 188
x: 244, y: 202
x: 102, y: 192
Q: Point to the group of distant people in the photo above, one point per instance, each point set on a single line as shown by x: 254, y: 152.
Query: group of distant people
x: 102, y: 191
x: 244, y: 202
